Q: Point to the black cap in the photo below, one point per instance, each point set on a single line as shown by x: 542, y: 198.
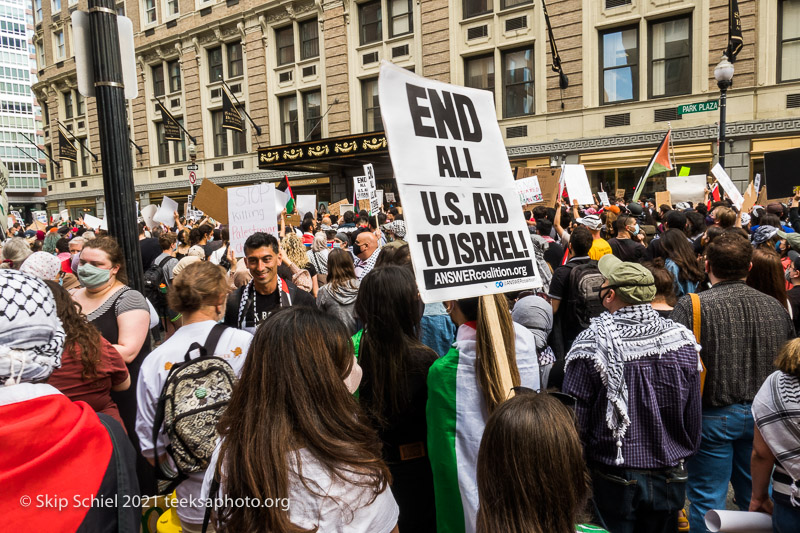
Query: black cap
x: 635, y: 209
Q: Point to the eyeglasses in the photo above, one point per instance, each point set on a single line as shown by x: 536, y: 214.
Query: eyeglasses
x: 565, y: 399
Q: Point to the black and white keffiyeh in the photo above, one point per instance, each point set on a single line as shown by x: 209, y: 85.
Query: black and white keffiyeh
x: 610, y: 341
x: 31, y: 336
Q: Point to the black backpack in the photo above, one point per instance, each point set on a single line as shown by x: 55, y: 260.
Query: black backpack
x: 583, y: 300
x: 153, y: 279
x: 192, y: 401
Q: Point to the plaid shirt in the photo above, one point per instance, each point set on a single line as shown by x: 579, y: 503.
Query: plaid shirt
x: 663, y: 406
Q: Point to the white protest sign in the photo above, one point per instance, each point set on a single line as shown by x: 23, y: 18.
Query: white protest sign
x: 757, y: 182
x: 374, y: 203
x: 40, y: 216
x: 92, y: 221
x: 306, y: 203
x: 727, y: 185
x: 251, y: 209
x: 64, y: 215
x: 166, y: 213
x: 467, y: 233
x: 148, y: 212
x: 281, y: 199
x: 529, y: 190
x: 577, y: 184
x: 362, y: 187
x: 687, y: 188
x: 603, y: 198
x: 390, y: 197
x: 104, y: 224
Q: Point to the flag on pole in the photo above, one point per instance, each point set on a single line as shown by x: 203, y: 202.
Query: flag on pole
x: 287, y: 189
x: 172, y: 130
x: 66, y: 150
x: 735, y: 41
x: 231, y: 117
x: 659, y: 163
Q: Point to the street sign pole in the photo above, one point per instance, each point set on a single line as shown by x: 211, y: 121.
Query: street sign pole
x: 112, y: 122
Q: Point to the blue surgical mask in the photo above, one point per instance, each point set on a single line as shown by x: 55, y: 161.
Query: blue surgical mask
x: 778, y: 246
x: 210, y: 239
x: 93, y: 277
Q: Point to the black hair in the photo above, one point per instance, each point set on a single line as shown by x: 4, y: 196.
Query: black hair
x: 675, y: 219
x: 544, y: 227
x: 581, y: 241
x: 697, y: 222
x: 349, y: 216
x: 62, y: 245
x: 258, y: 240
x: 307, y: 225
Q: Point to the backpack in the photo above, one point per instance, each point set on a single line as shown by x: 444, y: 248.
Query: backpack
x: 194, y: 397
x: 153, y: 279
x: 583, y: 302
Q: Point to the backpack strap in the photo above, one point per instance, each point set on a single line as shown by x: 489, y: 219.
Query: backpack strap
x: 213, y: 338
x: 696, y: 325
x: 213, y: 491
x: 122, y: 525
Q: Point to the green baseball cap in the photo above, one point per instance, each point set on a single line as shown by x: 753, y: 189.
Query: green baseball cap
x: 792, y: 238
x: 633, y: 282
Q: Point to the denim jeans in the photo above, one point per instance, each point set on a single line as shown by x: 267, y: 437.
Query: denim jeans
x: 724, y: 456
x: 639, y: 501
x: 785, y: 518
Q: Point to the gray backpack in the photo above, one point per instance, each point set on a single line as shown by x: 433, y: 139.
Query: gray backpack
x: 195, y: 395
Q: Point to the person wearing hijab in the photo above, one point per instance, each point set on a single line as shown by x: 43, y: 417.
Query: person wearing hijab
x: 536, y: 314
x: 52, y: 446
x: 42, y: 265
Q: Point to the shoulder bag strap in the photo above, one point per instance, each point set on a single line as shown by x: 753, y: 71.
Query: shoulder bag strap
x: 696, y: 323
x: 213, y: 491
x: 118, y: 466
x: 213, y: 338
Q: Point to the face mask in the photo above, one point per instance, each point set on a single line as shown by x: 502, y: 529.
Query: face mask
x: 788, y: 275
x: 93, y: 277
x: 210, y: 239
x: 634, y: 231
x: 778, y: 246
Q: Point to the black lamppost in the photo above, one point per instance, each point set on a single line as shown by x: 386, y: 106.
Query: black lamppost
x: 723, y: 73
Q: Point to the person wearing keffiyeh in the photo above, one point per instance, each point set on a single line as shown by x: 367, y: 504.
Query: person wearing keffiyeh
x: 635, y: 377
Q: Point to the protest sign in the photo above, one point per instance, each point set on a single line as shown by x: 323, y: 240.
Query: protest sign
x: 687, y: 188
x: 529, y: 190
x: 345, y: 207
x: 64, y: 215
x: 548, y: 178
x: 780, y: 172
x: 757, y: 182
x: 306, y: 203
x: 577, y: 184
x: 166, y: 213
x: 620, y: 193
x: 603, y: 198
x: 390, y: 197
x: 148, y: 212
x: 333, y: 209
x: 212, y: 200
x: 727, y: 185
x: 361, y: 187
x: 92, y: 221
x: 40, y: 216
x: 467, y: 233
x: 663, y: 198
x: 685, y: 171
x: 762, y: 196
x: 374, y: 204
x: 251, y: 209
x: 749, y: 198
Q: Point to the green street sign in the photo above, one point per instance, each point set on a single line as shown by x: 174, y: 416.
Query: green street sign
x: 699, y: 107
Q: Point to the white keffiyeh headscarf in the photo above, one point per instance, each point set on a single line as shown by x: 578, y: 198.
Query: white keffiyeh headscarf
x: 31, y: 336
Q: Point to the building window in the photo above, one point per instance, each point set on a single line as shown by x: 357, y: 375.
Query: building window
x: 401, y: 19
x: 619, y: 53
x: 789, y: 41
x: 477, y: 7
x: 163, y: 145
x: 312, y: 107
x: 215, y: 64
x: 479, y: 72
x: 309, y: 39
x: 174, y: 69
x: 80, y: 104
x: 180, y: 146
x: 56, y: 6
x: 288, y: 109
x: 285, y: 40
x: 239, y: 138
x: 235, y: 61
x: 369, y: 17
x: 58, y: 39
x: 158, y: 80
x: 38, y: 11
x: 40, y: 55
x: 149, y: 11
x: 371, y: 105
x: 73, y: 167
x: 86, y: 165
x: 68, y: 109
x: 172, y: 8
x: 518, y: 83
x: 671, y: 58
x: 505, y: 4
x: 220, y: 134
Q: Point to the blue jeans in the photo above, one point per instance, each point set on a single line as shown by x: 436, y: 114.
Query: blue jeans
x: 724, y: 455
x: 639, y: 501
x: 785, y: 518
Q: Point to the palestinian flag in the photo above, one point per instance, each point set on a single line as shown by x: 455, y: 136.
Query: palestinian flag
x: 659, y: 164
x: 285, y: 188
x: 456, y: 414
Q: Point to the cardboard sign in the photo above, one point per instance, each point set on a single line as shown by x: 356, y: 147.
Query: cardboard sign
x: 663, y: 198
x: 251, y: 209
x: 577, y: 184
x: 762, y: 197
x: 750, y: 196
x: 212, y: 200
x: 467, y: 233
x: 529, y: 191
x: 620, y: 193
x: 166, y: 213
x: 548, y: 181
x: 687, y: 188
x: 603, y: 198
x: 727, y: 185
x: 334, y: 209
x: 306, y: 203
x: 780, y: 172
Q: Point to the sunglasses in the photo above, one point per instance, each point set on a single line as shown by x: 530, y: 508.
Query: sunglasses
x: 565, y: 399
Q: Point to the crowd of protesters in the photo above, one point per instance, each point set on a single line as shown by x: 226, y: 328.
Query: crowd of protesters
x: 663, y: 337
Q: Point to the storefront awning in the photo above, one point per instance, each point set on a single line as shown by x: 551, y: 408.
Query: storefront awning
x: 326, y: 155
x: 761, y: 146
x: 681, y: 155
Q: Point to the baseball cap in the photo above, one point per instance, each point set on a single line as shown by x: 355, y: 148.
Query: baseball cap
x: 592, y: 222
x: 792, y: 238
x: 632, y: 281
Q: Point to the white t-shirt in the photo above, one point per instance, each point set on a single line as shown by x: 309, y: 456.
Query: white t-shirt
x: 232, y: 346
x: 344, y: 508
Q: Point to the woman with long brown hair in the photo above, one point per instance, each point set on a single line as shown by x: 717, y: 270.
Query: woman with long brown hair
x: 338, y: 296
x: 293, y: 433
x: 455, y: 427
x: 90, y: 367
x: 682, y: 262
x: 532, y: 477
x: 767, y: 275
